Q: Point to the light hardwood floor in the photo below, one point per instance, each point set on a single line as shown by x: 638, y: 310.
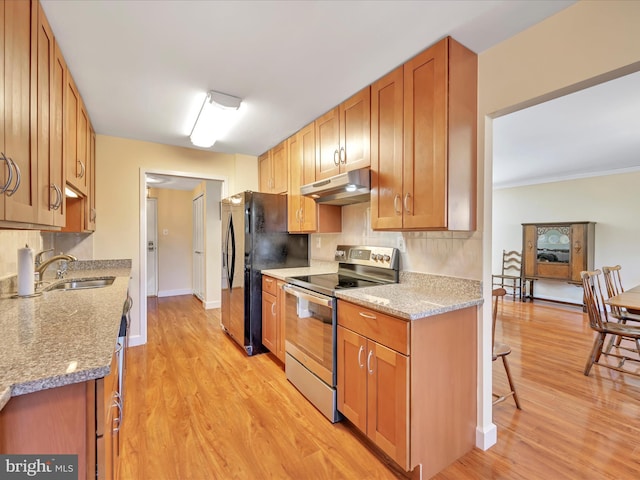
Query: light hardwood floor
x: 199, y: 408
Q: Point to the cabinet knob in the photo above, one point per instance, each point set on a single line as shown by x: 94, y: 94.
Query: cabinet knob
x: 577, y: 247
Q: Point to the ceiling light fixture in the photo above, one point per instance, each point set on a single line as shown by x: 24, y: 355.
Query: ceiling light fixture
x: 217, y: 115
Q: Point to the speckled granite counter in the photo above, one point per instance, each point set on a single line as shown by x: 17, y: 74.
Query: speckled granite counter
x: 417, y: 295
x: 61, y: 337
x: 316, y: 268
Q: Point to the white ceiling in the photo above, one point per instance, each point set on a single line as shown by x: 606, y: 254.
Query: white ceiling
x: 140, y: 65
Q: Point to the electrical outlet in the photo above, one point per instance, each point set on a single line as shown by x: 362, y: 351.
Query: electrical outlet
x: 400, y: 244
x: 318, y: 242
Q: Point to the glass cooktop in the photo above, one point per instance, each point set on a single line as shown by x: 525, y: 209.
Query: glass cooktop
x: 329, y: 282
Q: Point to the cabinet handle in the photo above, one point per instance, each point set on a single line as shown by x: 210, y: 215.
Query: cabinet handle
x: 336, y: 158
x: 6, y: 185
x: 117, y: 422
x: 18, y: 177
x: 60, y: 196
x: 82, y: 169
x: 273, y: 309
x: 369, y: 369
x: 268, y: 280
x: 368, y: 315
x: 343, y: 156
x: 58, y: 201
x: 577, y: 247
x: 93, y: 214
x: 360, y: 352
x: 395, y: 204
x: 405, y: 202
x: 301, y: 215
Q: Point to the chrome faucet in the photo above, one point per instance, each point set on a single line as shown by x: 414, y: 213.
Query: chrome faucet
x: 40, y: 269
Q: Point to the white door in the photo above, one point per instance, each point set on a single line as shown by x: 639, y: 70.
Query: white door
x: 152, y: 247
x: 198, y: 247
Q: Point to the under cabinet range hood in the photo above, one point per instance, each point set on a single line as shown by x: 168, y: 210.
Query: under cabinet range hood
x: 342, y: 189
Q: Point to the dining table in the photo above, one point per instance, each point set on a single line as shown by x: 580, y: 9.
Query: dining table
x: 629, y: 300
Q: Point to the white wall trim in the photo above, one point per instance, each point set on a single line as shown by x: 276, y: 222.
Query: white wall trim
x: 564, y: 178
x: 212, y: 304
x: 173, y: 293
x: 486, y: 438
x: 136, y: 340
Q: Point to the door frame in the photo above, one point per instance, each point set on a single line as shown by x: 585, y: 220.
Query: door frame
x: 142, y: 247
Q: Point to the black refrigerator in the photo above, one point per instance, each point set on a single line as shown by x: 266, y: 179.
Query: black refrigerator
x: 254, y: 238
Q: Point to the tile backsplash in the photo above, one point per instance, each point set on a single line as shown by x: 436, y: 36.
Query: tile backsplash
x: 78, y: 244
x: 457, y: 254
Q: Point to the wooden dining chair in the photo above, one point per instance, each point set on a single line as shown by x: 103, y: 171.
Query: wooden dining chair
x: 511, y: 274
x: 599, y: 321
x: 613, y: 282
x: 501, y: 350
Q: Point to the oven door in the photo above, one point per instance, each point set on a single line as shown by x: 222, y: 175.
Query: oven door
x: 310, y: 331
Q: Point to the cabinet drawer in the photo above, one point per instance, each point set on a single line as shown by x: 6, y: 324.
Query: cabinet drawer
x: 390, y: 331
x: 269, y: 285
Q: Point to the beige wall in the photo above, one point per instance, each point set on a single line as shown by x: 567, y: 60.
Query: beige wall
x: 175, y: 241
x: 10, y: 242
x: 119, y: 163
x: 578, y: 47
x: 611, y: 201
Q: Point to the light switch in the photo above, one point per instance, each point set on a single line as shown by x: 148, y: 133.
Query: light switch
x: 165, y: 231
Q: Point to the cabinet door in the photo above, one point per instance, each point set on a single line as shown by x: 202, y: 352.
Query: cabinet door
x: 47, y: 195
x: 355, y: 131
x: 20, y: 197
x: 90, y: 203
x: 578, y: 253
x: 328, y: 144
x: 386, y: 151
x: 71, y: 106
x: 295, y: 181
x: 281, y: 321
x: 529, y: 250
x: 279, y: 170
x: 388, y: 401
x: 269, y: 320
x: 352, y: 377
x: 57, y: 164
x: 424, y: 200
x: 83, y: 149
x: 264, y: 172
x: 308, y: 213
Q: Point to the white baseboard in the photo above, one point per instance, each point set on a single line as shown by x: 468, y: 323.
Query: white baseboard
x: 173, y: 293
x: 136, y: 340
x: 212, y: 304
x: 486, y: 438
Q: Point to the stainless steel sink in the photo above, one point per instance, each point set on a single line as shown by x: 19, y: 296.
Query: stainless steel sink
x: 80, y: 283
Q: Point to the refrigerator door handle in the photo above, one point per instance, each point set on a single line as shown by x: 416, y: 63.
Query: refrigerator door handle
x: 232, y: 267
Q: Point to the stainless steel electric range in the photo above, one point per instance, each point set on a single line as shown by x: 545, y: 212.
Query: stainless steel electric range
x: 311, y: 319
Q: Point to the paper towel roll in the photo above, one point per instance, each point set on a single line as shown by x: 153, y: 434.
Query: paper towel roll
x: 25, y: 271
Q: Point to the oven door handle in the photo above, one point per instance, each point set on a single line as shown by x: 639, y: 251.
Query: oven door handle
x: 297, y: 292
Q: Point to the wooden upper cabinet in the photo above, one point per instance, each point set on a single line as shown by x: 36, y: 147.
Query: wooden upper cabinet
x: 50, y: 71
x: 82, y: 176
x: 439, y: 98
x: 18, y: 201
x: 343, y: 136
x: 90, y: 212
x: 304, y: 215
x: 386, y: 151
x: 273, y: 170
x: 71, y: 107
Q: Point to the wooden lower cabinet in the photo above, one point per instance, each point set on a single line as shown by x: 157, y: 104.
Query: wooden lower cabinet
x: 273, y: 318
x: 74, y: 419
x: 410, y: 386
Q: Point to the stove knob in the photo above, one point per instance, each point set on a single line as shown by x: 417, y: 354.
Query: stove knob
x: 386, y: 258
x: 376, y: 257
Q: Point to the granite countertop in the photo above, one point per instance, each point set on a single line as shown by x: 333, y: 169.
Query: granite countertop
x: 417, y: 296
x: 61, y: 337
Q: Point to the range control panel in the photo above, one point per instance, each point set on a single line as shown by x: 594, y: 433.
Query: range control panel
x: 386, y: 257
